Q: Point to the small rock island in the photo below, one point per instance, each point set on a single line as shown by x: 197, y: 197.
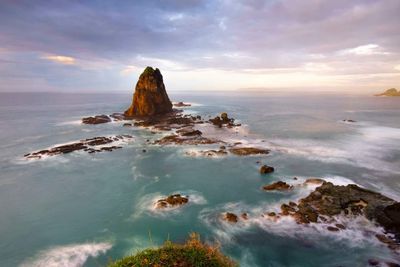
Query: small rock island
x: 150, y: 97
x: 390, y: 92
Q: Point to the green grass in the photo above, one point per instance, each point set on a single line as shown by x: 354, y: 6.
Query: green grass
x: 193, y: 253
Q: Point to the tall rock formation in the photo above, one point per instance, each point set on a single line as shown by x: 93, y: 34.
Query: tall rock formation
x: 150, y: 97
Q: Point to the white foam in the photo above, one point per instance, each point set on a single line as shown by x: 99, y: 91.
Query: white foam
x: 72, y: 122
x: 74, y: 255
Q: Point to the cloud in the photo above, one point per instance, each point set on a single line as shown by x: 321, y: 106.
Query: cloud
x: 315, y: 37
x: 369, y: 49
x: 61, y: 59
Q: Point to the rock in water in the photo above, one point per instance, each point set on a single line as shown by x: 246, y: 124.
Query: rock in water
x: 150, y: 97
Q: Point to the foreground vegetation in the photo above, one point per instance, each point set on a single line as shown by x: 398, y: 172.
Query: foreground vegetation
x: 193, y: 253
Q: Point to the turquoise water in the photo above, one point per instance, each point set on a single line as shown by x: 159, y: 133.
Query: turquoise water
x: 84, y: 209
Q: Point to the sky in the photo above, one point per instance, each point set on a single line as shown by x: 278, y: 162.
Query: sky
x: 285, y: 45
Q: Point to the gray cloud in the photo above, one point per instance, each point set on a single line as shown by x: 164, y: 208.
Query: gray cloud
x: 196, y: 34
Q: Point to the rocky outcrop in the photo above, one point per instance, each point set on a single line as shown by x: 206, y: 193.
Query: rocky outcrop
x: 390, y: 92
x: 230, y: 217
x: 181, y: 104
x: 266, y: 169
x: 96, y: 119
x: 172, y: 201
x: 277, y: 186
x: 150, y: 97
x: 90, y: 145
x: 223, y: 120
x: 245, y: 151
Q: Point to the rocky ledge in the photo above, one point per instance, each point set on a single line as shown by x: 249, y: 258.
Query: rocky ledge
x: 390, y: 92
x: 98, y: 119
x: 172, y: 201
x: 277, y: 186
x: 91, y: 145
x: 224, y: 120
x: 329, y: 200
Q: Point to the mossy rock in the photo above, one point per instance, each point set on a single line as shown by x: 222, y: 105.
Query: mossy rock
x: 192, y: 253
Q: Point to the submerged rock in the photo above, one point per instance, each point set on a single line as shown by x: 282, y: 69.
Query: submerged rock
x: 245, y: 151
x: 172, y: 200
x: 150, y: 97
x: 185, y: 140
x: 96, y: 119
x: 230, y: 217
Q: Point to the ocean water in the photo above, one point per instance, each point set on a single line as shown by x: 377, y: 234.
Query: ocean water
x: 85, y: 209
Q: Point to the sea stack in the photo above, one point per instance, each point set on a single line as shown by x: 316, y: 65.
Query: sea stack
x: 150, y: 97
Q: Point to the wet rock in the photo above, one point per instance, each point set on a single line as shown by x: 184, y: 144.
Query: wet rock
x: 279, y: 186
x: 350, y: 121
x: 127, y: 124
x: 244, y: 216
x: 223, y: 120
x: 373, y: 262
x: 189, y: 132
x: 150, y: 97
x: 266, y: 169
x: 340, y: 226
x: 286, y: 209
x: 332, y: 229
x: 172, y: 201
x: 96, y: 119
x: 245, y: 151
x: 118, y: 116
x: 208, y: 153
x: 230, y: 217
x: 271, y: 214
x: 181, y: 104
x: 89, y: 145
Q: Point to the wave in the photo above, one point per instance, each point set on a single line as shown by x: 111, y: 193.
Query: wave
x: 74, y: 255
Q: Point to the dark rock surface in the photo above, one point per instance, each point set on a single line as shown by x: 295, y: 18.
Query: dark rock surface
x: 181, y: 104
x: 266, y: 169
x: 230, y: 217
x: 279, y: 186
x: 172, y: 200
x: 90, y: 145
x: 96, y: 119
x: 223, y: 120
x: 150, y: 97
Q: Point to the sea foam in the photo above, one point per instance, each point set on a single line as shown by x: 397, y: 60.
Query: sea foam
x: 74, y: 255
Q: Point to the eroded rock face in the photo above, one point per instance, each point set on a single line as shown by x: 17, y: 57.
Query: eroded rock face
x: 150, y: 97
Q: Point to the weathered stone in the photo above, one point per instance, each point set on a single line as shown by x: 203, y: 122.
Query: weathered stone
x: 266, y: 169
x: 150, y: 97
x: 280, y: 186
x: 96, y: 119
x: 172, y: 200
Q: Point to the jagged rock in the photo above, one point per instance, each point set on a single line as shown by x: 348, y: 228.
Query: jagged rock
x: 96, y: 119
x: 172, y: 200
x: 223, y: 120
x: 280, y: 186
x: 150, y: 97
x: 266, y: 169
x: 245, y: 151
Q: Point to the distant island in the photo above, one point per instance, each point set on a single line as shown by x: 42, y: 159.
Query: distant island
x: 390, y: 92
